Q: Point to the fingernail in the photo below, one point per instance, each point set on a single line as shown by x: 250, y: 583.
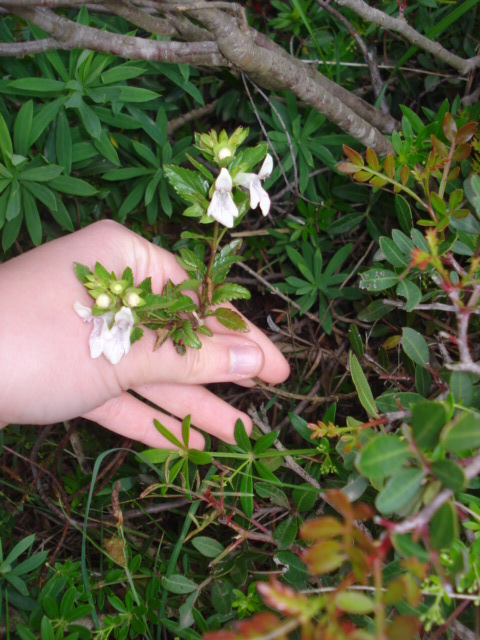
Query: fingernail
x: 246, y: 360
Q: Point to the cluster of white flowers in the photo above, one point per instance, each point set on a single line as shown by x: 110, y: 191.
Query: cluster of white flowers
x: 223, y: 208
x: 113, y: 340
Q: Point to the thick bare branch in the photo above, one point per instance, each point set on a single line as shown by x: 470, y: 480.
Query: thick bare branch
x: 402, y: 27
x: 17, y: 49
x: 71, y: 35
x: 237, y: 45
x: 141, y: 19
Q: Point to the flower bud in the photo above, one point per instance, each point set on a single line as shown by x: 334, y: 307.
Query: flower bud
x: 117, y: 287
x: 224, y: 153
x: 103, y: 301
x: 132, y: 299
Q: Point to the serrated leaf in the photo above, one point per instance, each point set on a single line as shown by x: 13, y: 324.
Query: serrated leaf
x: 363, y: 388
x: 229, y: 291
x: 185, y: 181
x: 231, y: 320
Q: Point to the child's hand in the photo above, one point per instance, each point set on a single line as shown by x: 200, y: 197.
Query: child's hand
x: 47, y: 374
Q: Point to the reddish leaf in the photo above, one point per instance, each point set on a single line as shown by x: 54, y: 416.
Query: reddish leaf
x: 404, y: 175
x: 321, y: 528
x: 440, y: 148
x: 461, y: 152
x: 283, y: 598
x: 389, y: 166
x: 377, y: 181
x: 347, y: 167
x: 362, y: 176
x: 453, y: 175
x: 341, y: 503
x: 324, y: 557
x: 353, y: 155
x: 372, y: 159
x: 466, y: 132
x: 403, y: 628
x: 449, y: 127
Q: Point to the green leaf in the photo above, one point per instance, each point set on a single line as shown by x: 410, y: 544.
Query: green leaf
x: 463, y: 434
x: 121, y: 72
x: 409, y: 290
x: 63, y: 142
x: 241, y: 436
x: 382, y: 456
x: 246, y: 489
x: 374, y: 311
x: 32, y: 218
x: 231, y: 320
x: 363, y: 388
x: 208, y: 547
x: 157, y: 456
x: 34, y: 86
x: 443, y: 527
x: 222, y: 596
x: 42, y: 193
x: 20, y: 548
x: 186, y: 182
x: 450, y: 474
x: 136, y: 94
x: 176, y: 583
x: 90, y: 120
x: 399, y: 490
x: 355, y: 340
x: 46, y: 629
x: 415, y: 346
x: 199, y: 457
x: 461, y: 386
x: 273, y: 493
x: 61, y: 214
x: 44, y: 117
x: 14, y: 204
x: 404, y: 213
x: 286, y: 532
x: 6, y: 148
x: 378, y: 279
x: 393, y: 253
x: 229, y: 291
x: 168, y: 434
x: 11, y: 231
x: 265, y: 442
x: 22, y: 128
x: 423, y: 381
x: 428, y: 420
x: 41, y: 174
x: 186, y: 430
x: 73, y: 186
x: 354, y: 603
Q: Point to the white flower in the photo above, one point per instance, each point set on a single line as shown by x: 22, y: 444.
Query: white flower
x: 113, y: 342
x: 252, y: 182
x: 117, y: 342
x: 222, y: 207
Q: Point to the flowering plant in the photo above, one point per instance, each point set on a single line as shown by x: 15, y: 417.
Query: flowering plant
x: 121, y: 309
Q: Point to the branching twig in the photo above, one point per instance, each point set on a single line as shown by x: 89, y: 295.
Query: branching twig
x: 371, y: 14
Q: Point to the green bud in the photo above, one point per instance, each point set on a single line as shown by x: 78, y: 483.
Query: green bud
x: 118, y: 287
x: 132, y: 299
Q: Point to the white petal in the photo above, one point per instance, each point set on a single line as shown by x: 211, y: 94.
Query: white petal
x: 84, y: 312
x: 117, y: 343
x: 258, y: 196
x: 224, y: 181
x: 98, y: 336
x: 125, y: 314
x: 245, y: 179
x: 222, y: 208
x: 266, y: 168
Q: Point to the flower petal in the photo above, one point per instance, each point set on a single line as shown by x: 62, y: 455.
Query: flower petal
x: 84, y: 312
x: 258, y: 196
x: 224, y: 181
x: 222, y: 208
x: 98, y: 336
x: 266, y: 168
